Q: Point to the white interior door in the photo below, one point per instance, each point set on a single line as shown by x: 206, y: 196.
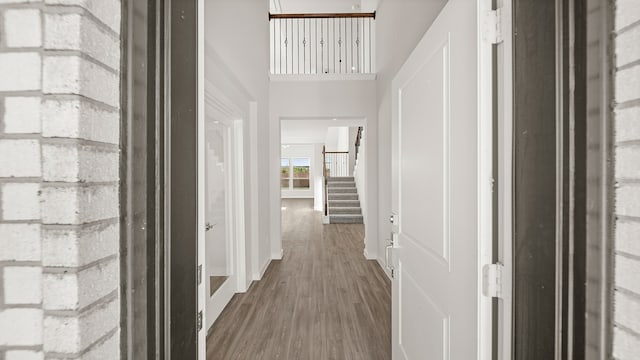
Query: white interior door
x: 220, y: 275
x: 437, y: 186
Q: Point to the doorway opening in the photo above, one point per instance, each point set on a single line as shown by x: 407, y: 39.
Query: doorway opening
x: 324, y: 160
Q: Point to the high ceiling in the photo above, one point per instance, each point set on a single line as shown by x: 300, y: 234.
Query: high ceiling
x: 321, y: 6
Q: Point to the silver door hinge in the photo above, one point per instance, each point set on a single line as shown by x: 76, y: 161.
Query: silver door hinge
x: 493, y: 27
x: 199, y: 274
x: 393, y: 272
x: 492, y: 285
x: 199, y: 325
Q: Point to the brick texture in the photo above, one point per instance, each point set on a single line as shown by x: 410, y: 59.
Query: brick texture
x: 626, y: 317
x: 59, y: 179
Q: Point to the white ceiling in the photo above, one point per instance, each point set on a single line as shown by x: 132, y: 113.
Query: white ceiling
x: 311, y: 131
x: 321, y: 6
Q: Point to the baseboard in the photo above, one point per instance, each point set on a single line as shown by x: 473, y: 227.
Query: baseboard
x: 247, y: 284
x: 278, y: 256
x: 366, y: 253
x: 384, y: 268
x: 258, y: 276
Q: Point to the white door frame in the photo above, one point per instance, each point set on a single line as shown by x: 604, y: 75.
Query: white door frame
x: 504, y: 93
x: 234, y: 224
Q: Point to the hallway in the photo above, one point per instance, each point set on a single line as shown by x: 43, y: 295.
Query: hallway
x: 324, y: 300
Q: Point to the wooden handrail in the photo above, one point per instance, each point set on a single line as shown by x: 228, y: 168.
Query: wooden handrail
x: 358, y: 137
x: 322, y: 15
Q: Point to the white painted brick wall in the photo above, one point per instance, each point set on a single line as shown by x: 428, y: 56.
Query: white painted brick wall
x: 73, y: 162
x: 77, y: 32
x: 74, y: 247
x: 105, y: 350
x: 627, y: 236
x: 27, y: 150
x: 79, y: 119
x: 627, y: 81
x: 22, y: 115
x: 627, y: 125
x: 18, y: 1
x: 22, y: 28
x: 73, y: 334
x: 20, y: 327
x: 20, y: 71
x: 108, y: 11
x: 64, y: 74
x: 20, y: 242
x: 22, y: 285
x: 24, y: 355
x: 20, y: 201
x: 79, y: 204
x: 59, y: 172
x: 73, y: 291
x: 626, y: 332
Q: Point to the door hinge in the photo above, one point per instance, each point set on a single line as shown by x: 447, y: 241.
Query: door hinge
x: 199, y: 325
x: 493, y: 27
x: 199, y: 274
x: 393, y: 272
x: 492, y: 280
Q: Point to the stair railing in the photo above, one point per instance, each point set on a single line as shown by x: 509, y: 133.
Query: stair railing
x: 336, y: 163
x: 322, y: 43
x: 358, y: 138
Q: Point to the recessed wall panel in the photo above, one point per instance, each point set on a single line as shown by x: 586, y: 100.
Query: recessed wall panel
x: 424, y: 156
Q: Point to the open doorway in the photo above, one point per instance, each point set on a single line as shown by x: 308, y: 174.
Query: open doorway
x: 324, y: 161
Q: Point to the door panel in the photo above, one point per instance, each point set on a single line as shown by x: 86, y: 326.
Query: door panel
x: 435, y: 192
x: 423, y: 117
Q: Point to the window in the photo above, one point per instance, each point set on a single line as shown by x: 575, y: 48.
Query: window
x: 301, y: 173
x: 294, y: 173
x: 285, y: 172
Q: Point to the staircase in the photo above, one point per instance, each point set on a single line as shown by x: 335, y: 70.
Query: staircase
x: 343, y: 203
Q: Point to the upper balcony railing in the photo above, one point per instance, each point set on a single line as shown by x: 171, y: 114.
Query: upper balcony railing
x: 322, y: 43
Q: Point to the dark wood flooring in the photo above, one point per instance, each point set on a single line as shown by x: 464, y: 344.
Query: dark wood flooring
x: 324, y: 300
x: 215, y: 282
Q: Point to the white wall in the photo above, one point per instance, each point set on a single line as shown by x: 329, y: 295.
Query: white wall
x: 303, y: 151
x: 318, y: 190
x: 400, y: 24
x: 238, y: 64
x: 354, y: 99
x: 337, y: 138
